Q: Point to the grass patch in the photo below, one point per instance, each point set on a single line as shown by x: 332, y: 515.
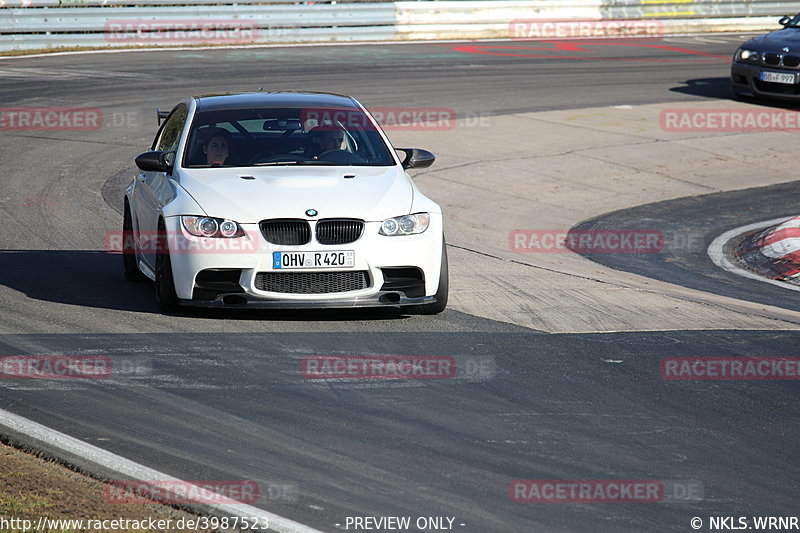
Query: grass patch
x: 32, y: 487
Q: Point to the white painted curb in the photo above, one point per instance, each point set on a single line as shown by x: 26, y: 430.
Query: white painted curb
x: 99, y: 461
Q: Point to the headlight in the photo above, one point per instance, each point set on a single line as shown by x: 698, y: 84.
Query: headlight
x: 749, y: 55
x: 405, y: 225
x: 211, y: 227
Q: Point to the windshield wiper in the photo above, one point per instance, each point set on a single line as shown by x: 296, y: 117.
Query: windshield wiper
x: 274, y: 163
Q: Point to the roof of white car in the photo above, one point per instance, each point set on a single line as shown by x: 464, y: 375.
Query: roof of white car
x: 273, y: 99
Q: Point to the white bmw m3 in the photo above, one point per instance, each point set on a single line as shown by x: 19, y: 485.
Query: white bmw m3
x: 282, y: 200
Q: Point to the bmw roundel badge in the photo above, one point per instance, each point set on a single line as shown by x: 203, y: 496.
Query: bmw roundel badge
x: 311, y: 212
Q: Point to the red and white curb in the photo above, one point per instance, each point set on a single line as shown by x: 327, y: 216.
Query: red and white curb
x: 781, y: 244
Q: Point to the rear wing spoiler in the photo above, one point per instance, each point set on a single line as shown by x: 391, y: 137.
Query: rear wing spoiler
x: 161, y: 115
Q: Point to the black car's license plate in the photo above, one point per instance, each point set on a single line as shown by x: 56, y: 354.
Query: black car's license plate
x: 779, y: 77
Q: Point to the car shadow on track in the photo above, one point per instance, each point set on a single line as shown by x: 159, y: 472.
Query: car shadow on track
x: 95, y: 279
x: 291, y: 315
x: 720, y: 89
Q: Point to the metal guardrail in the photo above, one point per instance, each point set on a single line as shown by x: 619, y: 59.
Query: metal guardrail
x: 48, y: 24
x: 145, y: 3
x: 72, y: 4
x: 94, y: 19
x: 626, y: 9
x: 677, y: 6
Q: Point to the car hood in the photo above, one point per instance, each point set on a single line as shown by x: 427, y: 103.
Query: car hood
x: 249, y: 195
x: 775, y: 41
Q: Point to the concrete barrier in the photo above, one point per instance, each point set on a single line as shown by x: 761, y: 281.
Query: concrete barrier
x: 53, y: 24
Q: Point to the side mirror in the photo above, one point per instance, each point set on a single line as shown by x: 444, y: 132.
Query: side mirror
x: 785, y: 20
x: 155, y: 161
x: 417, y: 158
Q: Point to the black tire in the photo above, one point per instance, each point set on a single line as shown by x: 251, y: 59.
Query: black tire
x: 130, y: 267
x: 165, y: 284
x: 442, y: 291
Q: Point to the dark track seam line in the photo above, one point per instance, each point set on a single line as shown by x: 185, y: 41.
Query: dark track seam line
x: 518, y: 262
x: 656, y: 172
x: 61, y: 139
x: 598, y: 130
x: 533, y: 157
x: 682, y: 298
x: 470, y: 163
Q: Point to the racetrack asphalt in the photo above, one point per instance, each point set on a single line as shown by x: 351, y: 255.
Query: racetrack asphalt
x: 221, y: 395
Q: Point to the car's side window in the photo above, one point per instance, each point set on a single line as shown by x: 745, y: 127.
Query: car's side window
x: 168, y: 136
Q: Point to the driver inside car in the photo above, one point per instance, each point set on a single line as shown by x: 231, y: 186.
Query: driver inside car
x: 217, y: 147
x: 326, y: 139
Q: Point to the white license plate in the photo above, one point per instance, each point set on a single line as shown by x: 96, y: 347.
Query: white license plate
x: 332, y: 259
x: 778, y: 77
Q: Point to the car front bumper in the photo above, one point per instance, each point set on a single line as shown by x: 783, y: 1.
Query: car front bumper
x: 745, y: 80
x: 381, y: 299
x: 241, y: 261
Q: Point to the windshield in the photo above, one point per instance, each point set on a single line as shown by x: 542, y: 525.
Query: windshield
x: 287, y: 136
x: 794, y: 23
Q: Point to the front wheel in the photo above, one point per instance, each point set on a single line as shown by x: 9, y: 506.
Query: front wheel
x: 165, y: 284
x: 442, y: 291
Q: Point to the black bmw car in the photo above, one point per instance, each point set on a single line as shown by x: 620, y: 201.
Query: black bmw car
x: 769, y: 65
